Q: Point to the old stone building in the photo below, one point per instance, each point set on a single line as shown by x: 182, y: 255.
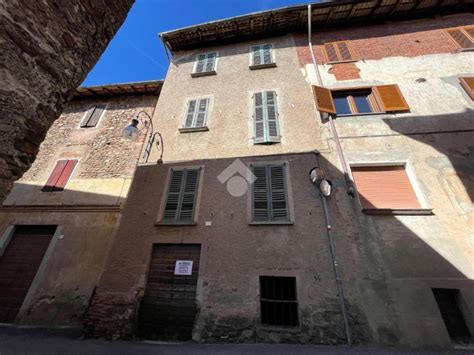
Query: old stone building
x: 48, y: 49
x: 229, y: 240
x: 57, y: 223
x: 232, y: 241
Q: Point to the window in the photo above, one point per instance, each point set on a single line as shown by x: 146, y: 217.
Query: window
x: 468, y: 85
x: 181, y: 197
x: 92, y: 116
x: 270, y: 194
x: 449, y: 304
x: 278, y: 302
x: 339, y: 51
x: 266, y: 128
x: 205, y: 64
x: 60, y: 175
x: 360, y: 101
x: 262, y: 56
x: 384, y: 187
x: 462, y: 36
x: 196, y: 115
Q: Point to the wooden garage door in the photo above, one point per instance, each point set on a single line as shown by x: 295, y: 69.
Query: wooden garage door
x: 18, y: 266
x: 168, y: 308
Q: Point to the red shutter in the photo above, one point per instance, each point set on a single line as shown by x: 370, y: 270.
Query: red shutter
x: 53, y: 178
x: 60, y: 175
x: 66, y: 174
x: 384, y: 187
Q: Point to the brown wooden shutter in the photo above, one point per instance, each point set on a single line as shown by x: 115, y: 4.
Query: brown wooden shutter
x: 55, y: 174
x: 94, y: 119
x: 468, y: 85
x: 345, y: 51
x: 88, y: 116
x: 391, y: 98
x: 65, y: 175
x: 331, y: 53
x: 461, y: 38
x: 384, y: 187
x: 323, y: 99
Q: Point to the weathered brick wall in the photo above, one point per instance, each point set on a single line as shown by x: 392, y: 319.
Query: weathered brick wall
x: 47, y: 50
x: 407, y: 38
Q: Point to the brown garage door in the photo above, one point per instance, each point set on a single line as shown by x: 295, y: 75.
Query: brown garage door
x: 18, y: 266
x: 168, y: 309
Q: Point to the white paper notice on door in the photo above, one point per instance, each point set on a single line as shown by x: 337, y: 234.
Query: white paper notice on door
x: 183, y: 267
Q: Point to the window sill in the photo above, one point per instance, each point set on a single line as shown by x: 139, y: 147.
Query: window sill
x: 343, y: 61
x: 177, y: 224
x: 361, y: 114
x: 204, y: 73
x: 281, y: 328
x: 466, y: 50
x: 262, y: 66
x: 267, y: 142
x: 271, y: 223
x: 193, y: 129
x: 399, y: 211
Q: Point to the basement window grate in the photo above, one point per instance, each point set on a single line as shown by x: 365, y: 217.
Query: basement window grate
x: 278, y: 303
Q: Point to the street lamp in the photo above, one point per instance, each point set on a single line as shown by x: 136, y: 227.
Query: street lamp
x: 132, y: 133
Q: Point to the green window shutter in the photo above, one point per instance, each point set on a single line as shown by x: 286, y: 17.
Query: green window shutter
x: 256, y: 55
x: 210, y: 61
x: 201, y: 113
x: 201, y: 61
x: 267, y: 54
x: 269, y: 194
x: 271, y: 117
x: 259, y: 117
x: 181, y: 196
x: 190, y: 114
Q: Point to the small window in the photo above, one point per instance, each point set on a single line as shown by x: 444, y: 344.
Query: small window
x: 262, y: 56
x: 468, y: 84
x: 384, y: 187
x: 196, y: 115
x: 339, y: 52
x: 270, y: 194
x: 383, y: 98
x: 181, y: 196
x: 450, y: 307
x: 92, y: 116
x: 265, y: 107
x: 205, y: 64
x: 60, y: 175
x: 278, y: 302
x: 463, y: 37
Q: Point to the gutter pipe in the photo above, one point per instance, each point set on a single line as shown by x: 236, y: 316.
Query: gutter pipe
x: 332, y: 247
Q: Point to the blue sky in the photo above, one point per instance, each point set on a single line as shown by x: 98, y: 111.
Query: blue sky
x: 136, y: 52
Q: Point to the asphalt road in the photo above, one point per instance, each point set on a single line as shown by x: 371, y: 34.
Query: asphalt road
x: 17, y: 341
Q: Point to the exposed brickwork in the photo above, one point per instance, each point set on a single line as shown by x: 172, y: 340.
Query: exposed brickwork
x: 102, y: 150
x: 407, y: 38
x: 47, y: 50
x: 345, y: 71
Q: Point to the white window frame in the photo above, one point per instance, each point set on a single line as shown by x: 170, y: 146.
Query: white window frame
x: 196, y: 60
x: 273, y: 62
x: 206, y: 117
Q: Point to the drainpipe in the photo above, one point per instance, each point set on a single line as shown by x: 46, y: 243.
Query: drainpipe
x: 332, y: 126
x: 350, y: 191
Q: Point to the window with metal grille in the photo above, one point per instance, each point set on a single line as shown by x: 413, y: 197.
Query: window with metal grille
x: 278, y: 302
x: 60, y: 175
x: 339, y: 52
x: 205, y: 64
x: 196, y: 114
x: 265, y: 116
x: 92, y: 116
x: 270, y: 194
x: 262, y: 56
x: 463, y: 37
x: 181, y: 197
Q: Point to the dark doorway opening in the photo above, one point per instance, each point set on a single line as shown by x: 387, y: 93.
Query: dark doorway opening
x: 449, y: 304
x: 19, y: 265
x: 168, y: 308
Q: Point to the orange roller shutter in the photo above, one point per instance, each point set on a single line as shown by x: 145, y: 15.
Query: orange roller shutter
x: 384, y: 187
